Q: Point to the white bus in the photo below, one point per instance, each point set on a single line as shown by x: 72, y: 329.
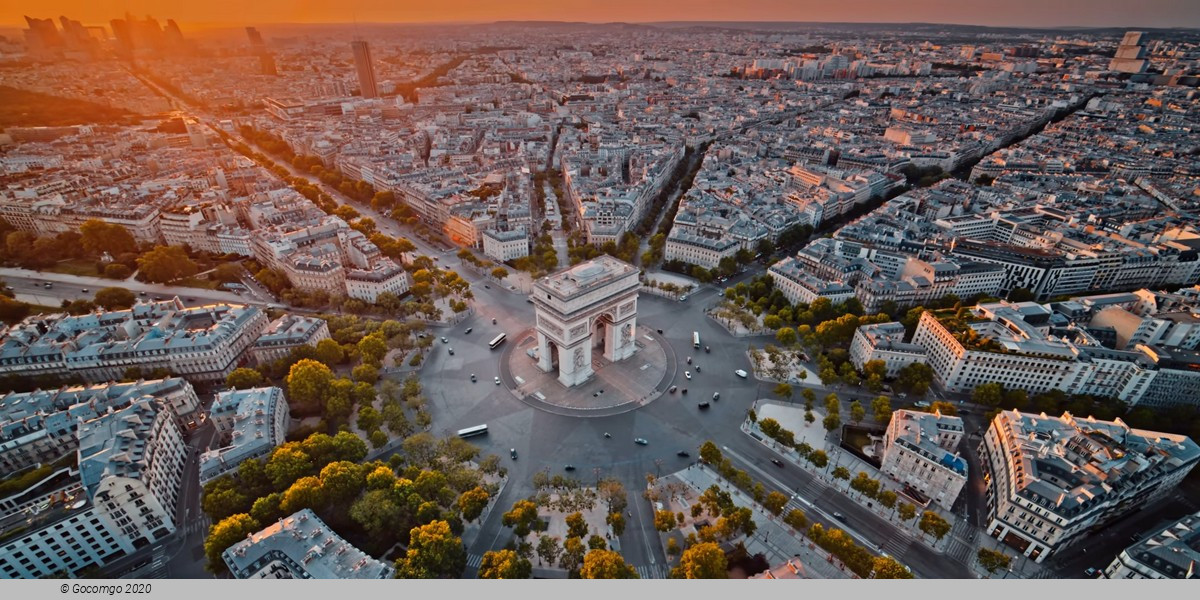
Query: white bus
x: 696, y: 339
x: 496, y: 341
x: 472, y: 431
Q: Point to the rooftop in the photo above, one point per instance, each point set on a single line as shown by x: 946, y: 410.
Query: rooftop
x: 301, y: 546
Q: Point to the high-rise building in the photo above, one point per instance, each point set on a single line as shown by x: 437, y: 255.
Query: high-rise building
x: 366, y: 69
x: 42, y: 36
x: 266, y: 64
x: 256, y: 39
x: 1131, y: 54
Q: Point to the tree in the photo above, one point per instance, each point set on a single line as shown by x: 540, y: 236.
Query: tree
x: 117, y: 271
x: 784, y: 391
x: 1020, y: 295
x: 596, y: 542
x: 709, y: 453
x: 786, y: 336
x: 906, y: 511
x: 886, y: 567
x: 796, y: 519
x: 222, y: 498
x: 287, y: 464
x: 377, y: 512
x: 819, y: 459
x: 433, y: 553
x: 372, y: 348
x: 993, y: 560
x: 521, y: 517
x: 934, y: 525
x: 227, y: 273
x: 576, y: 526
x: 243, y: 378
x: 887, y: 498
x: 616, y: 520
x: 100, y: 237
x: 865, y: 485
x: 664, y: 520
x: 915, y: 378
x: 857, y: 412
x: 573, y: 553
x: 472, y: 502
x: 305, y: 492
x: 330, y: 352
x: 224, y: 534
x: 367, y: 374
x: 504, y: 564
x: 832, y: 421
x: 606, y: 564
x: 548, y: 549
x: 500, y: 273
x: 308, y: 382
x: 841, y: 473
x: 989, y: 394
x: 775, y: 502
x: 115, y: 298
x: 165, y: 264
x: 944, y: 408
x: 702, y: 561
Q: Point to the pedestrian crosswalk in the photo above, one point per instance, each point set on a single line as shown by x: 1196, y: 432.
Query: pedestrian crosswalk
x: 158, y: 565
x: 474, y: 560
x: 198, y: 525
x: 654, y: 571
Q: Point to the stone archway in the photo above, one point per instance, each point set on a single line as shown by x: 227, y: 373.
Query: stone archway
x: 573, y: 306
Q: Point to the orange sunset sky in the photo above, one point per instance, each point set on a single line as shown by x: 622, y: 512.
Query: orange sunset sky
x: 1122, y: 13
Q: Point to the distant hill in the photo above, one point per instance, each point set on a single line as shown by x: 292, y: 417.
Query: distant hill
x: 24, y: 108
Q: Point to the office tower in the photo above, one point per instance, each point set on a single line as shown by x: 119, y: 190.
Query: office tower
x: 266, y: 64
x: 122, y: 35
x: 366, y: 69
x: 42, y: 36
x: 1131, y: 54
x: 256, y: 39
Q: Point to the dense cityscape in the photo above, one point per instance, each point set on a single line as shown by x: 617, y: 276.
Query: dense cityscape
x: 371, y: 301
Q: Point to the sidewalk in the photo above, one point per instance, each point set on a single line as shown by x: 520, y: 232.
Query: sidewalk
x: 773, y: 538
x: 839, y: 457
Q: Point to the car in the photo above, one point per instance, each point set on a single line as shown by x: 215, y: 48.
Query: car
x: 493, y: 321
x: 469, y: 329
x: 659, y: 331
x: 683, y: 453
x: 497, y: 380
x: 716, y: 396
x: 142, y: 293
x: 569, y: 468
x: 452, y: 352
x: 777, y: 462
x: 707, y: 349
x: 687, y: 374
x: 472, y: 378
x: 673, y: 389
x: 740, y: 373
x: 703, y: 405
x: 486, y: 286
x: 640, y: 441
x: 689, y: 359
x: 512, y: 453
x: 697, y: 368
x: 839, y: 516
x: 1091, y: 572
x: 84, y: 290
x: 185, y: 299
x: 683, y: 391
x: 683, y: 298
x: 444, y: 340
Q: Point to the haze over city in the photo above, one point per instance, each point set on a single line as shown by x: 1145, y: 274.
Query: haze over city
x: 1030, y: 13
x: 599, y: 290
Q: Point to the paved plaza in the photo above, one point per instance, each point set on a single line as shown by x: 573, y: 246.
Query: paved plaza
x: 615, y: 387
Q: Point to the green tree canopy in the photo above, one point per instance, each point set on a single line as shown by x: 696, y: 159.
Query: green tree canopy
x: 224, y: 534
x: 504, y: 564
x: 702, y: 561
x: 243, y: 378
x: 165, y: 264
x: 606, y: 564
x: 433, y: 553
x: 115, y: 298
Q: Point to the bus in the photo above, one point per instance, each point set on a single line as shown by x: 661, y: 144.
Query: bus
x: 695, y: 339
x: 472, y: 431
x: 496, y: 341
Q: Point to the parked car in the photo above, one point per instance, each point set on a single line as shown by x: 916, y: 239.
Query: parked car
x: 1091, y: 572
x: 640, y: 441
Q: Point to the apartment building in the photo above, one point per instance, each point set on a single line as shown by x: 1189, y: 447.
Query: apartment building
x: 799, y: 286
x: 884, y: 341
x: 201, y: 344
x: 920, y: 451
x: 699, y: 250
x: 301, y: 546
x: 285, y: 334
x: 251, y: 424
x: 506, y: 245
x: 1173, y: 553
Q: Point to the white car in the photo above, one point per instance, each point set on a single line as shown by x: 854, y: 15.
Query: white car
x: 497, y: 381
x: 687, y: 374
x: 740, y: 373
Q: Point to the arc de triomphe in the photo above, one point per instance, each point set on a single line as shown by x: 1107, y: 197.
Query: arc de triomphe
x: 574, y: 305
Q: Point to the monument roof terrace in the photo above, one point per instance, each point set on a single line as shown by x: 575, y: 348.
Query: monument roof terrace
x: 584, y: 277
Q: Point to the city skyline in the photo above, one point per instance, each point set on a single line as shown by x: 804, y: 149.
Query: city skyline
x: 1017, y: 13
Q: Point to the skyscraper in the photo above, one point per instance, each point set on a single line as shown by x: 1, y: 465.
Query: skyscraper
x: 366, y: 69
x: 1131, y: 54
x: 256, y: 39
x: 42, y: 36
